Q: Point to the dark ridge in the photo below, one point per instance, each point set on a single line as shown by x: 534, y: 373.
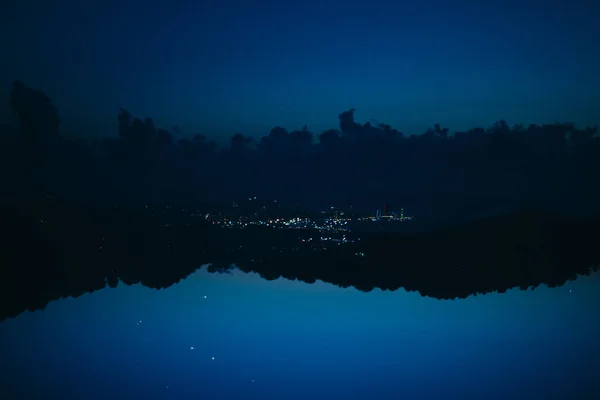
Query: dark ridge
x: 54, y: 249
x: 62, y: 234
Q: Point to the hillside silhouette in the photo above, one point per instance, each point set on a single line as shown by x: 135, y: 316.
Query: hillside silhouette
x: 514, y: 206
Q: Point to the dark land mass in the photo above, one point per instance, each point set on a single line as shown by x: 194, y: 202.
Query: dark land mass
x: 53, y: 249
x: 62, y: 234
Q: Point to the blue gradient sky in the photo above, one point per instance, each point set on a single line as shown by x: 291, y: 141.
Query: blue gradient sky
x: 223, y: 66
x: 289, y: 340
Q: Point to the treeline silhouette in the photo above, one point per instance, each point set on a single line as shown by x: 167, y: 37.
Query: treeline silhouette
x: 436, y: 173
x: 77, y: 216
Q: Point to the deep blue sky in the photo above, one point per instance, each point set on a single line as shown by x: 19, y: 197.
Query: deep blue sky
x: 290, y: 340
x: 222, y: 66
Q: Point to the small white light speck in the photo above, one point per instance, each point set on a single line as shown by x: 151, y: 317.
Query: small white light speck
x: 191, y: 347
x: 213, y: 358
x: 204, y: 296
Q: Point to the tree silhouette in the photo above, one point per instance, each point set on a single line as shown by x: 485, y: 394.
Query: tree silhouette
x: 501, y: 164
x: 125, y: 120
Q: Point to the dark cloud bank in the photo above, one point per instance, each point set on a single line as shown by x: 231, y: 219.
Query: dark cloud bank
x: 502, y: 207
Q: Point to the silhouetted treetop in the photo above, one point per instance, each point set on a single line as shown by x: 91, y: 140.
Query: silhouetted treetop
x: 508, y: 165
x: 37, y: 117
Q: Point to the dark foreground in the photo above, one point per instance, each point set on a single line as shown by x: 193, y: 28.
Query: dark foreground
x: 52, y: 249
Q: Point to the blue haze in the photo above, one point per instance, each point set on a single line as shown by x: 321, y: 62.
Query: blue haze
x: 220, y: 67
x: 289, y: 340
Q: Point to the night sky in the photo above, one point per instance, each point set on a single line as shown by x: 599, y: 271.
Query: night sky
x: 240, y: 336
x: 220, y: 67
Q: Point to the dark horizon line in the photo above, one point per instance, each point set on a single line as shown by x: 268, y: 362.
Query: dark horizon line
x: 373, y: 123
